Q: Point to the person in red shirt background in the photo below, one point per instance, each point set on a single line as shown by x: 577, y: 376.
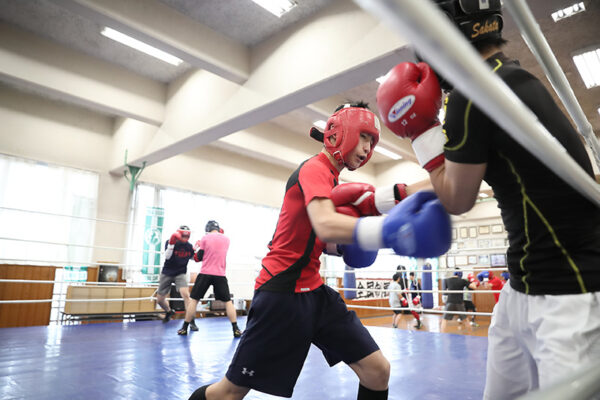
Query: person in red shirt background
x: 493, y: 282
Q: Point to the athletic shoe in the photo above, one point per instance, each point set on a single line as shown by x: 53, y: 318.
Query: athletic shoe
x: 193, y: 327
x: 182, y: 332
x: 475, y: 324
x: 237, y: 333
x: 168, y: 315
x: 419, y: 324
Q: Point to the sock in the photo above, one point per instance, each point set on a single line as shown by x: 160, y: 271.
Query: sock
x: 234, y: 326
x: 199, y: 394
x: 367, y: 394
x: 185, y: 325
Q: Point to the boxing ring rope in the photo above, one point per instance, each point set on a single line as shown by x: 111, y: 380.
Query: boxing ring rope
x: 537, y: 43
x: 445, y: 48
x: 107, y: 299
x: 79, y: 217
x: 69, y: 263
x: 419, y: 310
x: 582, y: 384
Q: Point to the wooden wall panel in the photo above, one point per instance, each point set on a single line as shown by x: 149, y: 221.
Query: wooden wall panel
x: 23, y: 314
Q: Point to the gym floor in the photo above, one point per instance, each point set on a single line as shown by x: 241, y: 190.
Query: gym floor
x: 148, y: 360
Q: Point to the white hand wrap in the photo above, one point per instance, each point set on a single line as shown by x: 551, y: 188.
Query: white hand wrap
x: 169, y: 251
x: 385, y: 199
x: 368, y: 233
x: 429, y: 145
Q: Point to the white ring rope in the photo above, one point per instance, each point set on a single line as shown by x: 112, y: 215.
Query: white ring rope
x: 423, y: 310
x: 94, y: 284
x: 537, y: 43
x: 445, y: 48
x: 414, y: 291
x: 150, y: 285
x: 85, y: 218
x: 81, y: 245
x: 481, y: 269
x: 68, y: 263
x: 107, y: 299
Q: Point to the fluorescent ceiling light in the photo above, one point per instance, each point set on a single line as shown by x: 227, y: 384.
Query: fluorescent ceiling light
x: 320, y: 124
x: 598, y: 110
x: 276, y: 7
x: 387, y: 153
x: 588, y: 65
x: 569, y: 11
x: 140, y: 46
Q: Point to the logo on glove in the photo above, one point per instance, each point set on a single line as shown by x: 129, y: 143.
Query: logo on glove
x: 400, y: 108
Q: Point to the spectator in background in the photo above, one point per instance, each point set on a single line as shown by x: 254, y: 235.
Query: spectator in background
x: 468, y: 298
x: 395, y: 298
x: 415, y: 286
x: 455, y: 301
x: 492, y: 283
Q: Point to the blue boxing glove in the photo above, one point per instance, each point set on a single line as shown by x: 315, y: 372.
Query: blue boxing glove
x: 356, y: 257
x: 353, y: 255
x: 483, y: 275
x: 418, y: 226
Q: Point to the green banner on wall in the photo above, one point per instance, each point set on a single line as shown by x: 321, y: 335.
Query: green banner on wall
x: 152, y: 242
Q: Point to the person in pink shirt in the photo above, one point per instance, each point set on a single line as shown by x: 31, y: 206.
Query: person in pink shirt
x: 212, y: 251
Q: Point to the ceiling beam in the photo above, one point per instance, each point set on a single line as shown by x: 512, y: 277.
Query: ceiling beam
x: 46, y: 68
x: 284, y: 77
x: 156, y: 24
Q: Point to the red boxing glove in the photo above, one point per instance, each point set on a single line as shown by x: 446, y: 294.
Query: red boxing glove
x: 175, y: 238
x: 404, y: 302
x: 416, y: 300
x: 409, y: 101
x: 366, y: 199
x: 221, y: 230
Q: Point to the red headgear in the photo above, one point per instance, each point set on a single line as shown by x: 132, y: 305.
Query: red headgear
x: 347, y: 124
x: 184, y: 231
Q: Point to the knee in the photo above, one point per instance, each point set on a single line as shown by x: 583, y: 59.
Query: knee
x: 380, y: 375
x: 384, y: 373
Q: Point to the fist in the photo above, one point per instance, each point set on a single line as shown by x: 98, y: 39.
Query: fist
x: 358, y: 195
x: 410, y: 99
x: 176, y: 237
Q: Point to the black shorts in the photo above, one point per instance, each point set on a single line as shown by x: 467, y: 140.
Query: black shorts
x: 469, y: 306
x: 279, y: 331
x: 397, y: 311
x: 219, y: 284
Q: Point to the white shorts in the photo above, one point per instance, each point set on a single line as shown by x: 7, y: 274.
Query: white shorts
x: 535, y: 341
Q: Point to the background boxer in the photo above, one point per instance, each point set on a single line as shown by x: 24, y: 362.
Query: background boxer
x: 178, y: 252
x: 212, y: 251
x: 547, y: 321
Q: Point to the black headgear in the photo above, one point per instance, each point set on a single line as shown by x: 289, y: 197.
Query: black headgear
x: 477, y: 19
x: 212, y: 226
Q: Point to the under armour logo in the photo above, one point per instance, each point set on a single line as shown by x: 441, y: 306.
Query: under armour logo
x: 246, y: 372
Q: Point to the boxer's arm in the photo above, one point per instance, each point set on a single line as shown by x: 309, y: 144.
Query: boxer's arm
x: 330, y: 226
x: 457, y: 185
